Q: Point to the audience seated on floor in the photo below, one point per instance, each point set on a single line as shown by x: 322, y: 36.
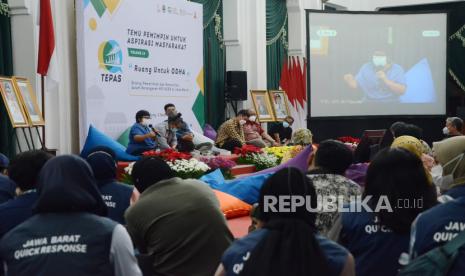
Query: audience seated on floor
x: 4, y: 161
x: 23, y: 170
x: 449, y: 154
x: 176, y: 222
x: 330, y: 163
x: 286, y: 243
x: 379, y: 240
x: 117, y: 196
x: 68, y: 234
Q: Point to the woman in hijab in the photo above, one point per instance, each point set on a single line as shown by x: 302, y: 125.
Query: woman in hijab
x: 449, y: 153
x: 117, y: 196
x: 416, y: 147
x: 286, y: 243
x: 68, y: 235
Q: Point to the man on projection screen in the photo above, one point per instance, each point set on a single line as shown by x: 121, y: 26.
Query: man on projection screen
x: 380, y: 80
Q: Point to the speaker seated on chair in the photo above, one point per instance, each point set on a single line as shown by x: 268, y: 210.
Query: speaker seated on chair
x: 236, y: 82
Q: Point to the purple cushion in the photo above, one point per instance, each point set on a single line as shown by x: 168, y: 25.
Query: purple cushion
x: 209, y: 132
x: 300, y: 162
x: 357, y: 173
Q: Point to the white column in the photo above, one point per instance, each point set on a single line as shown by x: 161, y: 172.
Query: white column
x: 245, y: 39
x: 61, y: 104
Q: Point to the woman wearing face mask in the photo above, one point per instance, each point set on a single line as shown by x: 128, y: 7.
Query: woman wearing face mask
x: 449, y: 175
x: 254, y: 134
x: 231, y: 133
x: 141, y: 137
x: 380, y: 80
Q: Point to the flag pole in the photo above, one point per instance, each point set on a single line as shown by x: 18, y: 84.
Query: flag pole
x: 42, y: 86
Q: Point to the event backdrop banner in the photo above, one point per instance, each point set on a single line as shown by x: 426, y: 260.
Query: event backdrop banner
x: 136, y: 55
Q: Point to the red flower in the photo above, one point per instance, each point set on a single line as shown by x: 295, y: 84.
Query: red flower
x: 168, y: 154
x: 349, y: 139
x: 247, y: 149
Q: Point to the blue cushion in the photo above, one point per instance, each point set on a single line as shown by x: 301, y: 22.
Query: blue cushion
x: 246, y: 189
x: 215, y: 179
x: 96, y: 138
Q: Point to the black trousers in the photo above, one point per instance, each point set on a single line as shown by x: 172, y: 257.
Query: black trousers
x: 231, y: 144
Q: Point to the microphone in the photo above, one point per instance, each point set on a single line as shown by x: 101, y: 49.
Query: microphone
x: 154, y: 130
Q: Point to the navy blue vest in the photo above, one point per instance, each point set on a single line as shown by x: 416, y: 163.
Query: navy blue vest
x: 456, y: 191
x: 117, y: 197
x: 59, y: 244
x: 376, y: 248
x: 437, y: 226
x: 238, y: 253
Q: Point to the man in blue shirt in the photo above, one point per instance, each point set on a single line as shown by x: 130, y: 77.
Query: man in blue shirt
x: 380, y: 80
x: 141, y: 137
x: 184, y: 134
x: 23, y: 170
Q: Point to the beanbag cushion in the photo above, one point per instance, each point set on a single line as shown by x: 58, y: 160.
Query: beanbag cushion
x: 215, y: 179
x: 232, y: 207
x: 246, y: 189
x: 96, y: 138
x: 123, y: 139
x: 209, y: 131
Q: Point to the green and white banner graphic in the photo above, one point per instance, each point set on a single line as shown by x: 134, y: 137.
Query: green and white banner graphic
x: 138, y: 54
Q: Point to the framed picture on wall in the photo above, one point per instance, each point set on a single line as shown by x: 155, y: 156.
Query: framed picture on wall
x: 13, y: 103
x: 262, y: 105
x: 278, y: 100
x: 31, y: 107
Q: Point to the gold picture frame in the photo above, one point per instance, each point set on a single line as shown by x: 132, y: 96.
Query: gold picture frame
x: 279, y: 103
x: 13, y: 103
x: 262, y: 105
x: 29, y: 100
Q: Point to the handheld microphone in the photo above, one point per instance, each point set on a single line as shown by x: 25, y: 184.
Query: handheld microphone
x: 154, y: 130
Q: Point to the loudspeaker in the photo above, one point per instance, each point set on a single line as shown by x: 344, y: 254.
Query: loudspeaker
x: 236, y: 82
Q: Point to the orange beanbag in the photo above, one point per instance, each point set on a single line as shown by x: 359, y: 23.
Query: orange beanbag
x: 231, y: 206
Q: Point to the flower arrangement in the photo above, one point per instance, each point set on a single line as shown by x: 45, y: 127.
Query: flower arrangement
x: 249, y: 154
x: 279, y: 152
x: 350, y: 141
x: 168, y: 155
x: 183, y: 168
x: 218, y: 162
x: 126, y: 177
x: 191, y: 168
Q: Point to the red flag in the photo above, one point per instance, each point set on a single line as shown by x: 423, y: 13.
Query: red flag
x: 300, y: 87
x: 46, y: 37
x: 284, y: 80
x: 304, y: 77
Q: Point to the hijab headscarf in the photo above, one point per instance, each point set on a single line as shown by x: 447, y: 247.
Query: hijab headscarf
x: 448, y: 149
x: 416, y: 147
x: 66, y: 184
x: 103, y: 164
x: 409, y: 143
x: 290, y: 246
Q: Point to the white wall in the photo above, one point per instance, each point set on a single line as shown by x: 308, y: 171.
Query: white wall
x: 61, y: 104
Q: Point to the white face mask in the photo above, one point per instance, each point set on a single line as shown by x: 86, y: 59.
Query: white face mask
x: 445, y: 130
x: 444, y: 182
x: 379, y: 61
x: 242, y: 122
x: 253, y: 118
x: 145, y: 122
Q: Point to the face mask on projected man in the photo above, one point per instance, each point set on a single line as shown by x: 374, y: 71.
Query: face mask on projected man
x: 379, y: 80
